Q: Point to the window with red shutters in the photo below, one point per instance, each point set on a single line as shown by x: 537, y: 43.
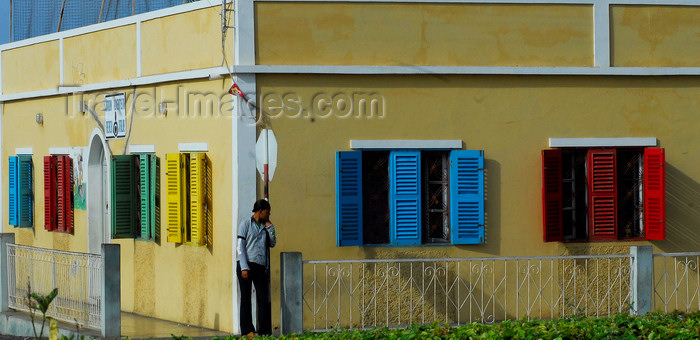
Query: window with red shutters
x: 603, y: 194
x: 64, y: 202
x: 49, y: 193
x: 602, y: 206
x: 552, y: 195
x: 58, y: 198
x: 654, y: 197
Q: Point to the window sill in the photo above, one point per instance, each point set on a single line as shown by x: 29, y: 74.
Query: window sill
x: 406, y: 246
x: 631, y: 239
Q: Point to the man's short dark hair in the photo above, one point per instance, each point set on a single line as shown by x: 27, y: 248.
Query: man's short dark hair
x: 261, y: 204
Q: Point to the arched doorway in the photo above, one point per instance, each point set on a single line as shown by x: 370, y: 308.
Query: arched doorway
x: 97, y: 194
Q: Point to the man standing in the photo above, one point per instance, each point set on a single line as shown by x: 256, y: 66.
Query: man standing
x: 255, y: 236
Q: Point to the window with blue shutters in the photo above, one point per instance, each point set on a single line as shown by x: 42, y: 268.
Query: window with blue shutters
x: 13, y: 199
x: 405, y: 197
x: 349, y: 193
x: 409, y: 197
x: 21, y: 191
x: 467, y: 196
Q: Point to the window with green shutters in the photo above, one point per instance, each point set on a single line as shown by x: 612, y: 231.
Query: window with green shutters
x: 136, y: 197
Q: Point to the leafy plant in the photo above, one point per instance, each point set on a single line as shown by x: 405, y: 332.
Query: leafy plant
x: 40, y: 303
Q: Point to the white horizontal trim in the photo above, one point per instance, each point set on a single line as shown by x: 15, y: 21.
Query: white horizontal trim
x: 59, y: 151
x: 601, y: 142
x: 656, y: 2
x: 148, y: 80
x: 192, y: 6
x: 142, y: 149
x: 504, y: 70
x: 383, y: 70
x: 193, y: 147
x: 406, y: 144
x: 537, y: 2
x: 24, y: 151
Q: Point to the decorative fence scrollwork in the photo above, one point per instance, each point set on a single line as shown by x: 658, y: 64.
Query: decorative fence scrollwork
x: 676, y: 282
x: 77, y: 276
x: 398, y: 292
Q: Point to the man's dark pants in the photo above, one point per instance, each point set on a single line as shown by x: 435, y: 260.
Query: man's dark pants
x: 258, y: 276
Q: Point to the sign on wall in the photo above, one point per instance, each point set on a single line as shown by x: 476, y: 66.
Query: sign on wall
x: 115, y: 116
x: 77, y: 154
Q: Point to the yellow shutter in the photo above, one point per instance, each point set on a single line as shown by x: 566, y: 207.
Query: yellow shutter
x: 198, y: 218
x: 175, y: 196
x: 208, y: 202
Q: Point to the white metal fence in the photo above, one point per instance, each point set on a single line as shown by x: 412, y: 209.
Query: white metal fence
x: 676, y: 282
x: 397, y: 292
x: 77, y: 276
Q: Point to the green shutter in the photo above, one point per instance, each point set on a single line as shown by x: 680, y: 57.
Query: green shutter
x: 26, y: 192
x: 155, y: 197
x: 125, y: 196
x: 144, y: 196
x: 149, y: 193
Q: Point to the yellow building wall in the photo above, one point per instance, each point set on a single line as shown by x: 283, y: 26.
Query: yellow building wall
x: 180, y: 42
x: 31, y: 68
x: 302, y: 33
x: 186, y: 41
x: 100, y: 56
x: 183, y: 283
x: 662, y: 36
x: 20, y: 121
x: 511, y: 118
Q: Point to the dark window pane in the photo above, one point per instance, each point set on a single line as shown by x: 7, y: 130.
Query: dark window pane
x: 375, y: 197
x: 629, y: 192
x: 435, y: 184
x: 574, y: 194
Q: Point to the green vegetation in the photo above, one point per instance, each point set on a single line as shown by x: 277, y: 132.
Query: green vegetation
x: 653, y: 326
x: 40, y: 303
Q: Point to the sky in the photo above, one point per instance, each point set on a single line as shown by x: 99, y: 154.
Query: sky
x: 4, y: 21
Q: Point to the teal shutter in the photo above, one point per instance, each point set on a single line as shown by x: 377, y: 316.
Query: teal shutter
x: 149, y: 167
x: 13, y: 197
x: 405, y: 197
x: 125, y: 196
x: 26, y: 199
x: 144, y: 196
x: 348, y: 187
x: 467, y: 196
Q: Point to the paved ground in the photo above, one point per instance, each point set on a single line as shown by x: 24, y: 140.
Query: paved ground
x: 137, y: 326
x: 133, y: 326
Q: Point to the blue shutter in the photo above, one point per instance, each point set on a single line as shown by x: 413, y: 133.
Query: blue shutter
x: 26, y: 209
x: 14, y: 191
x: 405, y: 197
x: 467, y: 196
x: 348, y: 186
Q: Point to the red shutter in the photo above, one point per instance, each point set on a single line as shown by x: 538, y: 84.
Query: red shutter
x: 64, y: 197
x: 49, y: 193
x: 552, y: 219
x: 602, y: 192
x: 654, y: 194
